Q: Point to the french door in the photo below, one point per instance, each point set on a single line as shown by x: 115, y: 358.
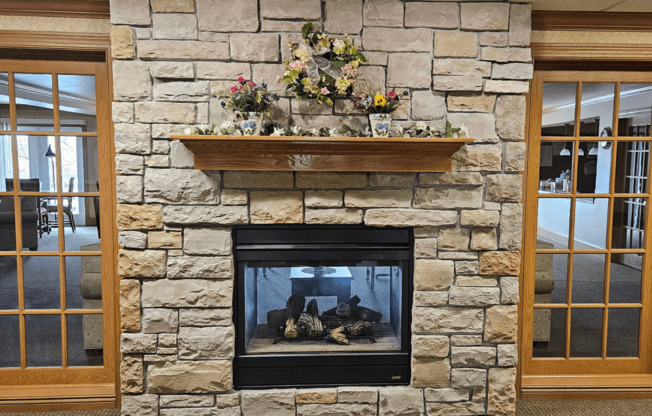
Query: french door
x: 586, y: 304
x: 57, y: 296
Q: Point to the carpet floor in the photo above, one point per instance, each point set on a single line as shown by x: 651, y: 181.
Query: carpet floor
x: 584, y: 408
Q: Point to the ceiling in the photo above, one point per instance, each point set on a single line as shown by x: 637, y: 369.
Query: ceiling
x: 641, y: 6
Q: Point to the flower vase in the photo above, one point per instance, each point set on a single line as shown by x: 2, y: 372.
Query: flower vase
x: 379, y: 124
x: 249, y: 121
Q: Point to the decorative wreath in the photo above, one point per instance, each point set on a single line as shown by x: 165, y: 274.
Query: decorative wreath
x: 322, y: 67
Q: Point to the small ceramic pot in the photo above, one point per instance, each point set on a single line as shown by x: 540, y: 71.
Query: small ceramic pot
x: 249, y: 121
x: 380, y: 124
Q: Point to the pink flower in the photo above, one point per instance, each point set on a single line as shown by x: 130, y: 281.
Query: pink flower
x: 241, y: 80
x: 234, y: 89
x: 325, y: 91
x: 391, y: 95
x: 252, y: 84
x: 298, y: 65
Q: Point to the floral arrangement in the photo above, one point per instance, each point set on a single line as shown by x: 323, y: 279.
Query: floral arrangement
x: 421, y: 129
x: 247, y: 96
x: 322, y: 67
x: 377, y: 103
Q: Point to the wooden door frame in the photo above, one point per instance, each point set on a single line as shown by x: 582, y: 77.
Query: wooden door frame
x: 87, y: 395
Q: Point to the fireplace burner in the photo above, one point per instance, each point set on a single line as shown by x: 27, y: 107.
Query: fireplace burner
x: 322, y: 305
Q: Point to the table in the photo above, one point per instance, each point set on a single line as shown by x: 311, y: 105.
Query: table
x: 334, y: 284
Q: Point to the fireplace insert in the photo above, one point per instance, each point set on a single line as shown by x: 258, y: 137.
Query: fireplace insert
x: 322, y: 305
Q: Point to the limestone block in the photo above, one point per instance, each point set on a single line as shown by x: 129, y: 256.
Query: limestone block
x: 206, y: 343
x: 157, y: 161
x: 318, y: 121
x: 213, y: 267
x: 466, y: 67
x: 352, y: 394
x: 316, y: 396
x: 403, y: 217
x: 456, y: 83
x: 484, y: 239
x: 372, y: 77
x: 502, y: 391
x: 442, y: 197
x: 129, y: 305
x: 182, y: 49
x: 207, y: 241
x: 287, y: 26
x: 167, y: 340
x: 172, y: 70
x: 450, y: 178
x: 498, y: 39
x: 430, y: 298
x: 507, y: 355
x: 129, y: 189
x: 129, y: 12
x: 288, y: 9
x: 223, y: 70
x: 139, y: 405
x: 506, y: 87
x: 515, y: 156
x: 490, y: 53
x: 173, y: 6
x: 180, y: 156
x: 456, y: 255
x: 268, y: 402
x: 462, y: 408
x: 205, y: 317
x: 480, y: 157
x: 455, y: 45
x: 386, y: 13
x: 433, y: 346
x: 248, y: 180
x: 160, y: 112
x: 131, y: 374
x: 132, y: 81
x: 391, y: 180
x: 520, y: 22
x: 483, y: 103
x: 473, y: 356
x: 196, y: 91
x: 343, y: 16
x: 378, y: 198
x: 484, y: 16
x: 396, y: 40
x: 134, y: 217
x: 510, y: 117
x: 500, y: 262
x: 227, y: 400
x: 509, y: 289
x: 503, y: 187
x: 267, y: 73
x: 446, y: 395
x: 425, y: 248
x: 227, y: 16
x: 122, y: 112
x: 174, y: 26
x: 189, y: 377
x: 430, y: 372
x: 447, y: 320
x: 256, y: 47
x: 158, y: 320
x: 433, y: 274
x: 323, y: 199
x: 181, y: 186
x: 198, y: 215
x: 164, y: 239
x: 163, y: 131
x: 376, y: 58
x: 325, y: 180
x: 453, y: 239
x: 122, y: 42
x: 347, y: 409
x: 473, y: 296
x: 132, y: 239
x: 334, y: 216
x: 187, y: 293
x: 276, y: 207
x: 466, y: 340
x: 482, y: 126
x: 479, y: 218
x: 475, y: 280
x: 234, y: 197
x: 311, y: 107
x: 468, y: 377
x: 136, y: 343
x: 188, y: 400
x: 511, y: 71
x: 501, y: 324
x: 141, y: 263
x: 428, y: 105
x: 465, y: 267
x: 435, y: 15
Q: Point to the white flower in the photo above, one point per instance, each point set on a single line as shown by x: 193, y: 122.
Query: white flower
x: 400, y: 130
x: 278, y: 131
x: 332, y: 132
x: 314, y: 131
x: 296, y: 130
x: 205, y: 127
x: 227, y: 124
x: 421, y: 126
x: 302, y: 54
x: 238, y: 132
x: 464, y: 130
x: 338, y: 45
x: 367, y: 132
x: 187, y: 130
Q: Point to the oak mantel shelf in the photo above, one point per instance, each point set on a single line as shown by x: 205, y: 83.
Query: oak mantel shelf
x: 334, y: 154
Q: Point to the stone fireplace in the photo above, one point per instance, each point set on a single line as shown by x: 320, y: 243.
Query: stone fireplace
x: 465, y: 62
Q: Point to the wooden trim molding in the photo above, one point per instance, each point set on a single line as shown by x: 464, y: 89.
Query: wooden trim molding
x: 55, y: 40
x: 591, y: 21
x: 590, y: 52
x: 93, y: 9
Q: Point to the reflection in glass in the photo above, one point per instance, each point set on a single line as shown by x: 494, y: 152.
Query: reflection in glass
x: 43, y: 340
x: 553, y: 222
x: 625, y: 278
x: 6, y: 161
x: 597, y: 109
x: 9, y: 341
x: 84, y: 280
x: 593, y: 168
x: 586, y: 333
x: 37, y: 162
x: 588, y: 278
x: 622, y: 332
x: 629, y: 223
x: 633, y: 167
x: 85, y: 341
x: 41, y: 282
x: 7, y: 224
x: 77, y: 103
x: 558, y: 110
x: 549, y: 332
x: 86, y: 232
x: 79, y: 164
x: 550, y: 278
x: 9, y: 286
x: 635, y: 108
x: 556, y: 167
x: 34, y: 101
x: 5, y: 122
x: 591, y: 222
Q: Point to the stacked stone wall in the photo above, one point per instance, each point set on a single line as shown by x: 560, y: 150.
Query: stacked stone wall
x: 465, y: 62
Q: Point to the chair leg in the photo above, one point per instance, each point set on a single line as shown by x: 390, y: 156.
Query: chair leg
x: 71, y: 218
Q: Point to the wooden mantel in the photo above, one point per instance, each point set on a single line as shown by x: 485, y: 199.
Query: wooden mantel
x: 341, y: 154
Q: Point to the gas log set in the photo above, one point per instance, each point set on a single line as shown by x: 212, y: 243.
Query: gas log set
x: 347, y: 321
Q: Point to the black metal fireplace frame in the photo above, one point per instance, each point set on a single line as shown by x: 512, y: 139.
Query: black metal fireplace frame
x: 329, y: 242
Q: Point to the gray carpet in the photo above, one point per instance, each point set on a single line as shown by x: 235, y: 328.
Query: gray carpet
x: 584, y: 408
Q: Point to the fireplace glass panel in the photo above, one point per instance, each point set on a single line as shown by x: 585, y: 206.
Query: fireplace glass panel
x: 322, y: 307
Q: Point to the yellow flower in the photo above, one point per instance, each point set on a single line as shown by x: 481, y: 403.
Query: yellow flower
x: 379, y: 100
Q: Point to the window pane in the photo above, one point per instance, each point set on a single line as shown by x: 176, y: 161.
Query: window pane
x: 634, y: 109
x: 625, y: 278
x: 633, y: 167
x: 629, y: 223
x: 550, y: 278
x: 83, y: 212
x: 586, y: 333
x: 9, y: 341
x: 591, y: 222
x: 549, y: 332
x: 43, y: 340
x: 597, y: 109
x: 34, y: 101
x: 77, y: 103
x: 558, y: 112
x: 84, y: 280
x: 79, y: 164
x: 37, y: 163
x: 7, y: 224
x: 85, y: 341
x: 594, y: 168
x: 9, y: 284
x: 553, y: 222
x: 588, y: 278
x: 556, y: 167
x: 6, y: 162
x: 622, y: 333
x: 41, y: 281
x: 5, y: 123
